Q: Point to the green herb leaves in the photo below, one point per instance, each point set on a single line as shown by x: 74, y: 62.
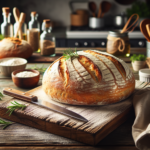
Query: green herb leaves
x: 5, y: 123
x: 1, y: 95
x: 40, y: 69
x: 70, y: 54
x: 15, y: 106
x: 139, y: 57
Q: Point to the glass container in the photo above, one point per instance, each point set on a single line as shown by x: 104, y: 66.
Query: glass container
x: 33, y: 38
x: 6, y: 26
x: 118, y: 43
x: 34, y: 23
x: 47, y: 40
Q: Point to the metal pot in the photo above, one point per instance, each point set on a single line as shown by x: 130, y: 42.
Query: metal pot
x: 96, y: 22
x: 120, y: 20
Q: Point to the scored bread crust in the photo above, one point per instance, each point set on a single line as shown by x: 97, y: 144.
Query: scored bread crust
x: 94, y: 78
x: 14, y: 47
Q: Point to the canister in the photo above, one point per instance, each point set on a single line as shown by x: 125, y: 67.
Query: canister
x: 96, y: 22
x: 144, y: 75
x: 147, y: 49
x: 118, y: 43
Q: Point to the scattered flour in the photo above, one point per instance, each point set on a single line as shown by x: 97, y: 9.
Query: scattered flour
x: 26, y: 74
x: 12, y: 62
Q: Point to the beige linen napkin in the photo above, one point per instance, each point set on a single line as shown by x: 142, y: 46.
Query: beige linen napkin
x: 141, y: 126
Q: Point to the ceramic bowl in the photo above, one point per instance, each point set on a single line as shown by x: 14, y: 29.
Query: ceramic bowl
x: 25, y: 82
x: 7, y: 70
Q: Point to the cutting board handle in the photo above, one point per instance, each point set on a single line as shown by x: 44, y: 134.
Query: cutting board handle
x: 20, y: 95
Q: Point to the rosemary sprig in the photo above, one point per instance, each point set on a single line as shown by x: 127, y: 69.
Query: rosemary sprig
x: 1, y: 95
x: 15, y: 106
x: 5, y: 123
x: 70, y: 54
x: 40, y: 69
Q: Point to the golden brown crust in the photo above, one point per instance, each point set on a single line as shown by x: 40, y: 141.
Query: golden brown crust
x: 74, y: 81
x: 14, y: 47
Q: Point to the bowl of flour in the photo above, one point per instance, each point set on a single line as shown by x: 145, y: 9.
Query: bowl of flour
x: 10, y: 64
x: 25, y: 78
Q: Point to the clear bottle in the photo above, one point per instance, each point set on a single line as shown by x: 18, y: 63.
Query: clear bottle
x: 47, y: 40
x: 24, y: 30
x: 34, y: 23
x: 6, y: 26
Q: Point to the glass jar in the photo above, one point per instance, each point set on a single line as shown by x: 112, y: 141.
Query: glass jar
x: 24, y: 30
x: 118, y: 44
x: 47, y: 40
x: 34, y: 23
x: 33, y: 38
x: 6, y: 26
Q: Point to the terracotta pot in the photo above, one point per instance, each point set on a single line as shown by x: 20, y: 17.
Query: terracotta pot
x: 137, y: 65
x: 80, y: 18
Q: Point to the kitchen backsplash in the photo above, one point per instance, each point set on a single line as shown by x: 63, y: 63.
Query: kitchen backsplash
x: 57, y: 10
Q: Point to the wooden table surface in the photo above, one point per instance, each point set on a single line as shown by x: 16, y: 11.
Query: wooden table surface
x: 34, y: 139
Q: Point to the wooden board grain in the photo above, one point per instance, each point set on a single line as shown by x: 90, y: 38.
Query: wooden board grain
x: 102, y: 119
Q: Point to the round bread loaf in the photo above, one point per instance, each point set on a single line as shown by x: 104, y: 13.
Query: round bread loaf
x: 93, y: 78
x: 14, y: 47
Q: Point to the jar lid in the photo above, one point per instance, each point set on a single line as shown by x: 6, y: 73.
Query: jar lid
x: 144, y: 72
x: 6, y: 10
x: 47, y: 22
x: 33, y: 13
x: 117, y: 33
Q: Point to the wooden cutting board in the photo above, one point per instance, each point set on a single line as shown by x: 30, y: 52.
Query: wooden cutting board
x: 102, y: 119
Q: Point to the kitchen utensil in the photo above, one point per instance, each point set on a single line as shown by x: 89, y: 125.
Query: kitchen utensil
x: 16, y: 13
x: 96, y: 22
x: 120, y: 20
x: 104, y: 8
x: 132, y: 26
x: 143, y: 28
x: 7, y: 70
x: 92, y: 8
x: 46, y: 104
x: 148, y: 29
x: 25, y: 82
x: 21, y: 21
x: 99, y: 10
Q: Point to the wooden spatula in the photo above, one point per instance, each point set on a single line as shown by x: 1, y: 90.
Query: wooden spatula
x: 148, y: 29
x: 143, y: 28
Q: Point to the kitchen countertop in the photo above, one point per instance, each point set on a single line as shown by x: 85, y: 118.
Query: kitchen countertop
x: 31, y: 138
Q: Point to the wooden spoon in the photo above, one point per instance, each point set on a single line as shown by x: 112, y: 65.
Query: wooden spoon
x: 16, y: 13
x: 92, y: 8
x: 99, y: 11
x: 148, y: 29
x: 143, y: 28
x: 105, y: 6
x: 21, y: 21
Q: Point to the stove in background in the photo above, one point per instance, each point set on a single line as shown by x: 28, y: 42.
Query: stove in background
x: 85, y: 37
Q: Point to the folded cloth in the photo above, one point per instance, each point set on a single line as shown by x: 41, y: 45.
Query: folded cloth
x: 141, y: 126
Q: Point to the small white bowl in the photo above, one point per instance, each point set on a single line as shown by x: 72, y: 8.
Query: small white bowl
x: 7, y: 70
x: 144, y: 75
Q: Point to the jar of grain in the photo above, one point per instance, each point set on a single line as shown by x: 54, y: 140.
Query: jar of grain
x: 47, y: 40
x: 33, y: 38
x: 118, y: 44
